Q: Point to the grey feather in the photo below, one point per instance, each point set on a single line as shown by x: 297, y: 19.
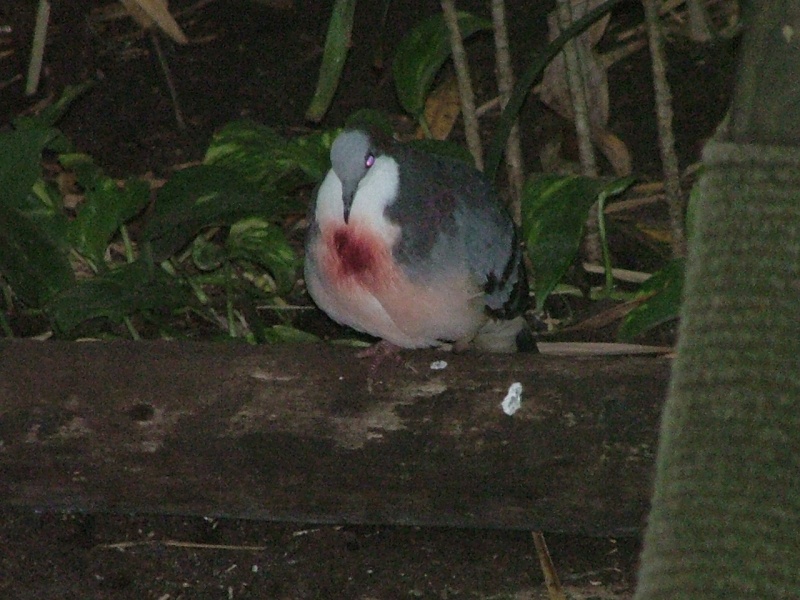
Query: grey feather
x: 349, y: 154
x: 449, y: 213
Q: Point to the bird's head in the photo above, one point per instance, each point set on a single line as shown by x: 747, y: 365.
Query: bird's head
x: 352, y: 155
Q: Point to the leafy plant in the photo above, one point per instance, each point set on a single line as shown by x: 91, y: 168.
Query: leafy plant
x: 337, y: 44
x: 661, y: 300
x: 212, y: 243
x: 421, y: 55
x: 554, y: 213
x: 33, y: 248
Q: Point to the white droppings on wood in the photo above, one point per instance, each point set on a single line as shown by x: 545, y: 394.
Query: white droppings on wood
x: 513, y: 400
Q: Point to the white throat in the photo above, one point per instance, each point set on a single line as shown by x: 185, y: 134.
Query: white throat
x: 377, y: 190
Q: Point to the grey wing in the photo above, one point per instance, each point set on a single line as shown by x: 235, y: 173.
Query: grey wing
x: 495, y: 255
x: 461, y: 223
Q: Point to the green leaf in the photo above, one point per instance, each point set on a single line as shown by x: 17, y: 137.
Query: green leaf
x: 615, y: 188
x: 201, y: 197
x: 24, y: 190
x: 554, y: 212
x: 422, y: 53
x: 121, y: 292
x: 87, y: 174
x: 106, y: 208
x: 44, y: 206
x: 259, y: 242
x: 337, y: 43
x: 20, y: 164
x: 32, y: 262
x: 665, y: 290
x: 311, y: 154
x: 284, y: 333
x: 249, y: 149
x: 263, y: 157
x: 207, y: 256
x: 52, y: 113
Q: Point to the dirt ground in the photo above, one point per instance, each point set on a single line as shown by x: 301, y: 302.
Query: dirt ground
x: 248, y: 59
x: 134, y: 557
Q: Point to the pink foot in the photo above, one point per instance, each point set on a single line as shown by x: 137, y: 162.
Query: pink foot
x: 379, y: 352
x: 380, y: 349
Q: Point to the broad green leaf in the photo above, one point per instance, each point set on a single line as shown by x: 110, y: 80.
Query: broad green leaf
x: 106, y: 208
x: 665, y: 290
x: 121, y: 292
x: 263, y: 157
x: 249, y: 149
x: 200, y: 197
x: 22, y: 186
x: 44, y: 206
x: 554, y: 212
x: 259, y: 242
x: 35, y: 265
x: 422, y: 53
x: 311, y: 153
x: 20, y: 164
x: 337, y: 43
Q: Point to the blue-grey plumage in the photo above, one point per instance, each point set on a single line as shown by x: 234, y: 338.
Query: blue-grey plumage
x: 415, y: 248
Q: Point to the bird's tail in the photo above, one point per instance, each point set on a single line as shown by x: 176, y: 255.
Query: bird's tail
x: 505, y: 335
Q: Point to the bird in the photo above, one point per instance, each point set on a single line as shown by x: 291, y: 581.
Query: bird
x: 415, y: 248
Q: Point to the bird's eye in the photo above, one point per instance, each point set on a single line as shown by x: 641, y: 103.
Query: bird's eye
x: 369, y: 160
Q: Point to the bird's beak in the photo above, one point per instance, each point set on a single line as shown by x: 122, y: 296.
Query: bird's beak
x: 348, y: 194
x: 347, y: 205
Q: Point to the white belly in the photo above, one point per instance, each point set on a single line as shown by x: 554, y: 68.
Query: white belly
x: 379, y: 299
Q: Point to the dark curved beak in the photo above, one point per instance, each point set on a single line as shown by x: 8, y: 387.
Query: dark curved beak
x: 348, y: 194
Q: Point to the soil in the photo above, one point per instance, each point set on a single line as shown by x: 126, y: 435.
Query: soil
x: 260, y: 60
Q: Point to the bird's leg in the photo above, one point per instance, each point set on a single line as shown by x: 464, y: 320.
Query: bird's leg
x: 379, y: 352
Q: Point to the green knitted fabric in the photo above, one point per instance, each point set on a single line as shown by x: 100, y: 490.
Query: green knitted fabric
x: 725, y: 521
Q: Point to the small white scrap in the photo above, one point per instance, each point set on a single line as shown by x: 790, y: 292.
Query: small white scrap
x: 513, y: 399
x: 438, y: 365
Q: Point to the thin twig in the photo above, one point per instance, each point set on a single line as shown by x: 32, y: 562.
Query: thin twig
x: 577, y: 90
x: 551, y: 581
x: 179, y: 544
x: 173, y: 92
x: 575, y: 80
x: 37, y: 51
x: 8, y: 82
x: 464, y: 83
x: 666, y: 139
x: 699, y: 22
x: 619, y: 274
x: 505, y: 85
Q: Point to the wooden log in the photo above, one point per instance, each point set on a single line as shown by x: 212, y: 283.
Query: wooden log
x: 303, y: 433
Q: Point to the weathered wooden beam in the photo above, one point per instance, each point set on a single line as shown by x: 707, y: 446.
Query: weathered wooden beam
x: 298, y: 432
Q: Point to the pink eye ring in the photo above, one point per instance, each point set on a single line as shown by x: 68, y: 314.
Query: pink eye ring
x: 369, y: 161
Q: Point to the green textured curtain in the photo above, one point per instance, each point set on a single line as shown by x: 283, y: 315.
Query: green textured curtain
x: 725, y: 520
